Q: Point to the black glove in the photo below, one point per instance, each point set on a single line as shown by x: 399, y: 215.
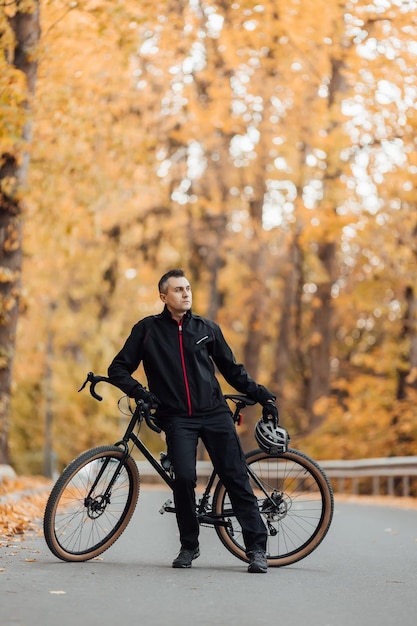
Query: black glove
x: 270, y: 412
x: 141, y: 393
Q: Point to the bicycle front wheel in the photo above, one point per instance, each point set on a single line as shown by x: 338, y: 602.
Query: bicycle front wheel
x: 295, y: 501
x: 91, y: 504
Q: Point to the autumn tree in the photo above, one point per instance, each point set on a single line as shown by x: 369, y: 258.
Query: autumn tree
x: 19, y: 32
x: 376, y: 269
x: 266, y: 148
x: 97, y: 199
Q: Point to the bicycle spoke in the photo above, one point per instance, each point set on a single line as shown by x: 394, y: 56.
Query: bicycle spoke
x: 295, y: 502
x: 91, y: 504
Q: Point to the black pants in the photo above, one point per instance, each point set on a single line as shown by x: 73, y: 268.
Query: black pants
x: 219, y: 436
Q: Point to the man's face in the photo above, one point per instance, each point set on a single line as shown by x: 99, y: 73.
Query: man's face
x: 178, y: 296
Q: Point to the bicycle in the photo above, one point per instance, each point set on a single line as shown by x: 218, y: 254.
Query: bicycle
x: 94, y: 498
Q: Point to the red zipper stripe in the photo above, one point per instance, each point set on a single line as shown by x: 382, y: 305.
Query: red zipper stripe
x: 184, y: 371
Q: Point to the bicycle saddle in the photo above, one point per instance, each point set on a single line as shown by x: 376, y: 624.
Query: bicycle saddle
x: 239, y: 398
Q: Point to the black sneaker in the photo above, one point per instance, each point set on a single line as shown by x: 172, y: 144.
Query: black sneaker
x: 185, y: 557
x: 257, y: 562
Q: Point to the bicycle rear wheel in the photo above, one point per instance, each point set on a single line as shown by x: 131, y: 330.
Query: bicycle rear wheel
x: 91, y: 504
x: 295, y: 501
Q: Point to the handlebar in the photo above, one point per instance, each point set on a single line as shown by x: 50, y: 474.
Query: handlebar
x: 93, y: 380
x: 142, y: 409
x: 145, y: 410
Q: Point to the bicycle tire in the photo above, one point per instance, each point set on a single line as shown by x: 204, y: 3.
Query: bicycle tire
x: 297, y: 513
x: 79, y: 526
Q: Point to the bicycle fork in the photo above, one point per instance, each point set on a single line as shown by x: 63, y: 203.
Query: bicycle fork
x: 96, y: 505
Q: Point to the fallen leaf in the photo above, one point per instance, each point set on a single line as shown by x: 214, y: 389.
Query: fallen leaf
x: 22, y: 502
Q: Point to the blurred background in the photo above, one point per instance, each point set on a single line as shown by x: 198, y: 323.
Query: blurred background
x: 266, y: 147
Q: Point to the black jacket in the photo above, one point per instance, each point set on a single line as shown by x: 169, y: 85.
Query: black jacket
x: 178, y: 360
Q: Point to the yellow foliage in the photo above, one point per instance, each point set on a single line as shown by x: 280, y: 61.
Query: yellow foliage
x: 19, y: 516
x: 316, y: 339
x: 7, y: 275
x: 236, y: 141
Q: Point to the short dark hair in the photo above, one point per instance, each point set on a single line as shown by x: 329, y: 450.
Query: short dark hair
x: 178, y: 273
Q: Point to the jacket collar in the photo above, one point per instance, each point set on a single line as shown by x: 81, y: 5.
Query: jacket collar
x: 166, y: 314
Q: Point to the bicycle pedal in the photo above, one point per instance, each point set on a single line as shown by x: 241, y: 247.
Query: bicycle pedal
x: 165, y: 507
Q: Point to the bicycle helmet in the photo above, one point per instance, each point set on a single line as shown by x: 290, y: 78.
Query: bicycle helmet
x: 272, y: 439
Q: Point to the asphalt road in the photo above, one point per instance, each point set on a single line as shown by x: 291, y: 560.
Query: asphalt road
x: 363, y: 574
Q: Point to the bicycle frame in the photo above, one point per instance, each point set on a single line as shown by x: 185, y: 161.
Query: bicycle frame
x: 203, y: 516
x: 129, y: 435
x: 141, y: 413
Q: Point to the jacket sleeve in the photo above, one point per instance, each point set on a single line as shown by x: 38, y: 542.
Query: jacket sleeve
x: 127, y: 361
x: 235, y: 373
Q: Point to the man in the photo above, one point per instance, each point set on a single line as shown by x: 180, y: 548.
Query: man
x: 179, y: 350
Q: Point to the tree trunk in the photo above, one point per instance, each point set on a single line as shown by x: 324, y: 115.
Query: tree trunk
x: 256, y: 305
x: 13, y: 177
x: 318, y: 383
x: 289, y: 326
x: 407, y: 372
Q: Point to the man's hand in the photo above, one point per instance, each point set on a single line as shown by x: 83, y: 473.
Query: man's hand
x: 270, y: 412
x: 149, y: 398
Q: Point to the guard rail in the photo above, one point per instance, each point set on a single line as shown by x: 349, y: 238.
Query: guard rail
x: 392, y: 476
